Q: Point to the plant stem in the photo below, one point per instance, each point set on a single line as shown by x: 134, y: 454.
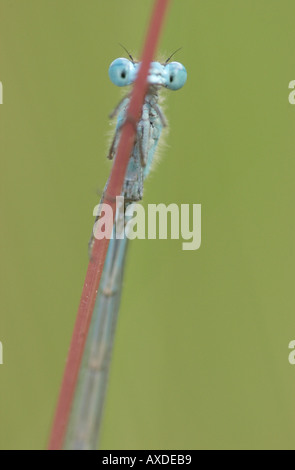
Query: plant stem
x: 100, y: 247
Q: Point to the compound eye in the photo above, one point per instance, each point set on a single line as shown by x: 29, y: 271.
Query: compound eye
x: 122, y: 72
x: 176, y: 75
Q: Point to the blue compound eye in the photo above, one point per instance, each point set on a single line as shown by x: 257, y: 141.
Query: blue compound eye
x: 176, y: 75
x: 122, y: 72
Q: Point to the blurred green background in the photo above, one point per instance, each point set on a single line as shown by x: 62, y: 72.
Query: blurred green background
x: 201, y: 351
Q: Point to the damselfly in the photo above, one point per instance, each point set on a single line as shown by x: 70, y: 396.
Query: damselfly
x: 88, y: 404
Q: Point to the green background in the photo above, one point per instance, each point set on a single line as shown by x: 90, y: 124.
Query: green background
x: 201, y: 351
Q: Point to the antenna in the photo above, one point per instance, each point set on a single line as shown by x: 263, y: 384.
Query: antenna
x: 127, y: 52
x: 166, y: 62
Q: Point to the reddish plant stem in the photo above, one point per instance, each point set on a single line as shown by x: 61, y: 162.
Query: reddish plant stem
x: 100, y: 247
